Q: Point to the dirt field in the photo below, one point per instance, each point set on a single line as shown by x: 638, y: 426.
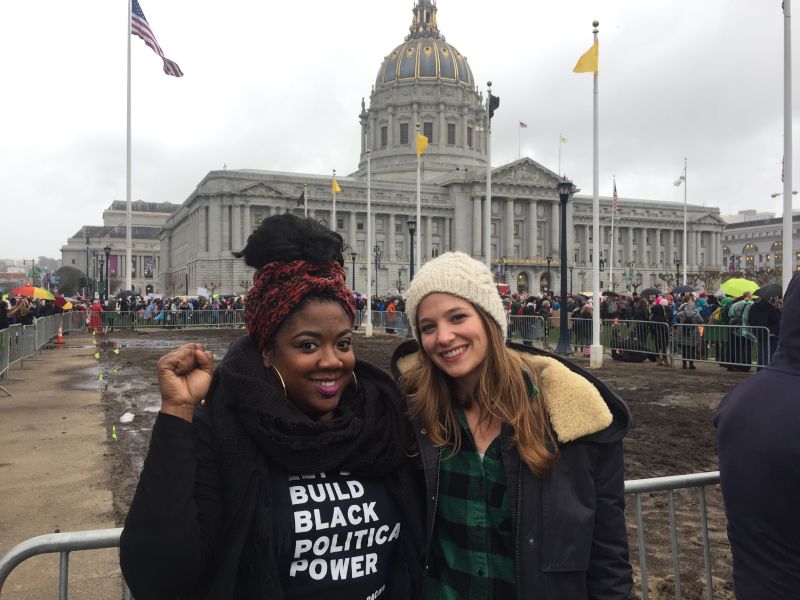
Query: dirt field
x: 672, y: 434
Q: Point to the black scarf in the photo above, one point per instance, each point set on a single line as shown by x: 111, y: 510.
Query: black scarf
x: 366, y: 437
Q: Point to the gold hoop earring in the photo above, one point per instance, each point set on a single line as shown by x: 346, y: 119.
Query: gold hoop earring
x: 280, y: 378
x: 355, y: 380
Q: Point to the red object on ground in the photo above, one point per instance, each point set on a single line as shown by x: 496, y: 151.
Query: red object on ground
x: 60, y: 337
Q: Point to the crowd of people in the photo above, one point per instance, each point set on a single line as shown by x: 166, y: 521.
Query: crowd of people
x: 655, y: 320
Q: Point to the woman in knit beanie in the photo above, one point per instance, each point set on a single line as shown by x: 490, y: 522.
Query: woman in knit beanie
x: 283, y: 473
x: 522, y: 454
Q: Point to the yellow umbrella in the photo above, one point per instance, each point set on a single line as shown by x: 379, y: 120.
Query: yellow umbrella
x: 737, y: 286
x: 67, y: 306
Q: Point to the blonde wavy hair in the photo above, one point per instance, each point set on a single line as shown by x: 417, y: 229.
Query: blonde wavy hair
x: 502, y: 393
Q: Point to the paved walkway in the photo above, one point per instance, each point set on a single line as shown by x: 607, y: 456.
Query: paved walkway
x: 54, y: 473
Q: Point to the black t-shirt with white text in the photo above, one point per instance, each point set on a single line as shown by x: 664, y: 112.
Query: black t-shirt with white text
x: 344, y: 531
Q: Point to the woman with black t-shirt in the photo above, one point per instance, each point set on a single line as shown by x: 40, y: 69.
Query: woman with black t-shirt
x: 282, y: 474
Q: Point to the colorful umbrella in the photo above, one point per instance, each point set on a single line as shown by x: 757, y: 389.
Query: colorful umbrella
x: 737, y: 286
x: 67, y: 306
x: 32, y: 292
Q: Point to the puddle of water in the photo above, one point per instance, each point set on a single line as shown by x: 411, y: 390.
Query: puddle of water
x: 88, y: 379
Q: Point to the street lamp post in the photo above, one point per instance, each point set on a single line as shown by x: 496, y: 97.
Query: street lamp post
x: 549, y: 276
x: 571, y: 289
x: 86, y: 287
x: 564, y: 192
x: 412, y: 228
x: 353, y: 255
x: 677, y: 271
x: 107, y: 252
x: 101, y: 262
x: 377, y: 252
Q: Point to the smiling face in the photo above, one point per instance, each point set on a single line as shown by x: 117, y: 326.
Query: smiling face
x: 313, y: 352
x: 453, y: 336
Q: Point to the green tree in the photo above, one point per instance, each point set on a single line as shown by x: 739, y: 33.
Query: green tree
x: 70, y: 280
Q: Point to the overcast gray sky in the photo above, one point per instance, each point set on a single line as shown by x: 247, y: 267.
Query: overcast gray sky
x: 277, y: 86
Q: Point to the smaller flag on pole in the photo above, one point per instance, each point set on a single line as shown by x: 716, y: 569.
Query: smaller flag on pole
x: 615, y: 202
x: 302, y: 199
x: 523, y: 125
x: 422, y: 144
x: 335, y: 186
x: 141, y: 28
x: 590, y: 61
x: 564, y: 140
x: 679, y: 181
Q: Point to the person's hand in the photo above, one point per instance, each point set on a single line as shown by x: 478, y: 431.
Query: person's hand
x: 184, y: 377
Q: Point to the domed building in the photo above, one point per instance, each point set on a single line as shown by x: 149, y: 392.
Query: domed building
x: 426, y: 80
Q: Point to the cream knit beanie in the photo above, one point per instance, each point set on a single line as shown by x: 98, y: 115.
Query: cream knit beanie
x: 461, y: 275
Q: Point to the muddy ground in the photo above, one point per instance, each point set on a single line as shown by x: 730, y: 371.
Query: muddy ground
x: 672, y: 434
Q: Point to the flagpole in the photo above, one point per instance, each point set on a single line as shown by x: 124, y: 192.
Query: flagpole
x: 487, y: 209
x: 128, y: 218
x: 418, y: 260
x: 305, y: 200
x: 519, y: 142
x: 685, y: 196
x: 333, y: 191
x: 596, y: 350
x: 611, y: 258
x: 560, y: 137
x: 788, y: 250
x: 368, y: 309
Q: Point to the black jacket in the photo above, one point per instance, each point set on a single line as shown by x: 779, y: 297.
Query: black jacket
x: 758, y: 438
x: 196, y: 527
x: 571, y: 538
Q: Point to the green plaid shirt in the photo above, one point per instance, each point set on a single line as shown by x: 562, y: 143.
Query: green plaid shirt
x: 472, y: 555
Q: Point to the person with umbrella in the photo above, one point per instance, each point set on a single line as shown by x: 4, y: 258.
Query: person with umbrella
x: 759, y: 463
x: 764, y: 314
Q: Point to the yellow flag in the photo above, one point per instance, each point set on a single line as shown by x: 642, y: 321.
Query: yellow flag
x: 564, y: 140
x: 590, y: 61
x: 422, y: 143
x: 335, y: 186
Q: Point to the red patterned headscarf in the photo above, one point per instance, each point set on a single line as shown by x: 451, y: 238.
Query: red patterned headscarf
x: 278, y: 287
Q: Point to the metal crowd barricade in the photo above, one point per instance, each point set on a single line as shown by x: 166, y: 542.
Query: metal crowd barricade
x: 651, y: 338
x: 5, y: 337
x: 732, y: 346
x: 669, y: 484
x: 531, y: 330
x: 64, y: 543
x: 16, y: 350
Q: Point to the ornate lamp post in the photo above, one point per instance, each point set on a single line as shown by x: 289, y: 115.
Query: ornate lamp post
x: 677, y: 269
x: 377, y: 252
x: 571, y: 268
x: 549, y: 276
x: 107, y: 252
x: 412, y: 228
x: 564, y: 192
x: 86, y: 287
x: 353, y: 255
x: 101, y: 262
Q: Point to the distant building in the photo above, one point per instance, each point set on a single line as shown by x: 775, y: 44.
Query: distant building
x: 85, y: 250
x: 758, y: 244
x: 425, y: 80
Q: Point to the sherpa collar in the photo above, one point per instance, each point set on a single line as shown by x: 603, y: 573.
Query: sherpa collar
x: 574, y: 404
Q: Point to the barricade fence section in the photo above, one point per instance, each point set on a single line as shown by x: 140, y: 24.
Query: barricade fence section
x: 735, y: 347
x: 637, y: 341
x: 165, y: 319
x: 698, y: 481
x: 5, y: 361
x: 391, y: 322
x: 64, y: 543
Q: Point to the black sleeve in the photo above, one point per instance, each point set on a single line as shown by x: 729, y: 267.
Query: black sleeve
x: 610, y: 576
x: 171, y: 526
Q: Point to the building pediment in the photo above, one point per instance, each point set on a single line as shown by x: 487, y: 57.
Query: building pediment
x: 525, y: 171
x: 261, y: 190
x: 709, y: 219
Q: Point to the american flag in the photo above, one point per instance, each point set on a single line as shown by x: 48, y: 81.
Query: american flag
x: 615, y: 202
x: 140, y: 27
